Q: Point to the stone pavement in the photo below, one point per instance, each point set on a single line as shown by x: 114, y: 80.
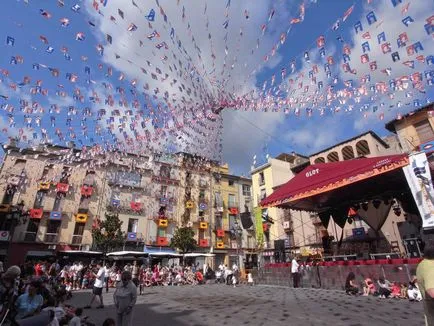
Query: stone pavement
x: 259, y: 305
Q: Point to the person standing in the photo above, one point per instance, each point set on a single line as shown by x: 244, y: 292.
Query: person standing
x: 295, y: 273
x: 135, y: 273
x: 425, y: 279
x: 97, y: 287
x: 125, y: 297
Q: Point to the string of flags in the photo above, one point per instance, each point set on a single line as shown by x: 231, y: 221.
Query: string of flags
x: 153, y: 80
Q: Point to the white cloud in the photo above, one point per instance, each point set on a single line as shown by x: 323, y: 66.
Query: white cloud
x: 234, y: 79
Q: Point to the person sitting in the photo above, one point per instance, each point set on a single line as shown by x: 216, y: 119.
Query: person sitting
x: 199, y: 277
x: 396, y: 290
x: 384, y: 287
x: 404, y: 290
x: 413, y: 291
x: 368, y: 287
x: 350, y: 284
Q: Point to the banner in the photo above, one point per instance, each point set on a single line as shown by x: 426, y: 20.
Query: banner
x: 418, y: 176
x: 259, y: 229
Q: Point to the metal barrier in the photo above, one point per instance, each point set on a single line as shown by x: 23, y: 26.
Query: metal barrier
x: 332, y: 275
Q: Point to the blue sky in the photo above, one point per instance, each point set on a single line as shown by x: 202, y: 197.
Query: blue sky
x: 207, y: 73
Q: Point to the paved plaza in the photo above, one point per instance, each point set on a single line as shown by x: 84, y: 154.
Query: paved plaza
x: 259, y: 305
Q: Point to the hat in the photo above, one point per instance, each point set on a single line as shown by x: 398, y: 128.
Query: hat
x: 12, y: 272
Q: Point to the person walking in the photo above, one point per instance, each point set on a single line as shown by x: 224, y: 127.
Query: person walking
x: 295, y: 273
x: 97, y: 287
x: 125, y: 297
x: 425, y: 279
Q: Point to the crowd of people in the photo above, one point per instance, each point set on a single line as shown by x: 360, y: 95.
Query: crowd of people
x: 383, y: 288
x: 36, y: 292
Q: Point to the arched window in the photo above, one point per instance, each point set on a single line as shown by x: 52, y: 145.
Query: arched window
x: 319, y: 160
x: 333, y: 157
x: 348, y: 152
x: 362, y: 148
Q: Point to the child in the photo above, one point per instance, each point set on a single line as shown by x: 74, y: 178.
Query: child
x: 404, y: 290
x: 250, y: 279
x: 413, y: 291
x: 368, y: 287
x: 396, y: 291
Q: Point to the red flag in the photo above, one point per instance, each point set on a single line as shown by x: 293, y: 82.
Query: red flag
x: 347, y: 13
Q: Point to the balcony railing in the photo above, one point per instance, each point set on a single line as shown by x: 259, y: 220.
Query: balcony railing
x: 29, y: 236
x: 77, y: 239
x: 51, y: 237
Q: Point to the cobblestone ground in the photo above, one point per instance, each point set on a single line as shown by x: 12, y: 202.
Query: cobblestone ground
x: 259, y: 305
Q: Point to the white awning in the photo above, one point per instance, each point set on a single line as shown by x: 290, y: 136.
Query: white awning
x: 128, y: 253
x: 198, y: 254
x: 162, y: 253
x: 84, y: 252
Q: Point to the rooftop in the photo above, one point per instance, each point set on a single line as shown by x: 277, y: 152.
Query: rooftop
x: 370, y: 132
x: 391, y: 124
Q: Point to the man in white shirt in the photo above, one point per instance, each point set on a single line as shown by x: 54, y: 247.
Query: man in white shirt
x: 97, y: 287
x: 295, y: 273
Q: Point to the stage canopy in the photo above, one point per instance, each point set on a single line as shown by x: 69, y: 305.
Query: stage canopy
x: 329, y: 185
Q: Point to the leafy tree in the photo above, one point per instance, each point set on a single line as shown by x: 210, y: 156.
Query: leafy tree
x: 183, y: 240
x: 107, y: 236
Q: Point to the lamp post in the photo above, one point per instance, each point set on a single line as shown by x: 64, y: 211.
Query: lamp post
x: 17, y: 216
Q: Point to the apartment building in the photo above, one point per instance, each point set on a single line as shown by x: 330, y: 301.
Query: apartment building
x: 67, y: 190
x: 283, y: 230
x: 234, y: 240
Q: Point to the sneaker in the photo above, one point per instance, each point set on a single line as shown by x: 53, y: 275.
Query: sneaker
x: 100, y: 307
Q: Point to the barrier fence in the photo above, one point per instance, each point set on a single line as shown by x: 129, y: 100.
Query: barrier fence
x: 332, y: 275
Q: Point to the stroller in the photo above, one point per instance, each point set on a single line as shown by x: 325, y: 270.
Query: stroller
x: 219, y: 277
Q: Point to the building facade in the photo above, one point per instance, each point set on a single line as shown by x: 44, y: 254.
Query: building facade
x: 289, y: 230
x: 67, y: 191
x: 234, y: 241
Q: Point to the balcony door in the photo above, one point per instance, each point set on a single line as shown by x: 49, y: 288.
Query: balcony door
x: 53, y: 228
x: 32, y: 230
x: 77, y: 237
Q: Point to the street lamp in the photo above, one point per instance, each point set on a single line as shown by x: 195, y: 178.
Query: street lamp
x: 17, y: 216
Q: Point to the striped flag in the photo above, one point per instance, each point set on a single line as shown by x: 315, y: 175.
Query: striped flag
x: 348, y: 13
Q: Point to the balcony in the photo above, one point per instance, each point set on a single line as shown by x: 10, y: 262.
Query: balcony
x: 164, y: 179
x: 29, y: 236
x: 51, y: 237
x: 76, y: 239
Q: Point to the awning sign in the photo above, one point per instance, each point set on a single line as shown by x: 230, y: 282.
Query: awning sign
x: 418, y: 176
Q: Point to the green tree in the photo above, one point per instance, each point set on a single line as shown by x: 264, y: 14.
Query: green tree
x: 183, y: 240
x: 108, y: 235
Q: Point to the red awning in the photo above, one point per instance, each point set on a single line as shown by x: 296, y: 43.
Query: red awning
x: 323, y: 177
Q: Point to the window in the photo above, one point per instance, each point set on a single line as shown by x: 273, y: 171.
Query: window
x: 53, y: 226
x: 246, y: 190
x: 39, y: 200
x: 89, y: 179
x: 231, y: 201
x: 261, y: 178
x: 165, y: 171
x: 66, y: 173
x: 9, y: 194
x: 133, y: 224
x: 136, y: 197
x: 232, y: 222
x: 57, y: 207
x: 217, y: 178
x: 79, y: 228
x: 362, y: 148
x: 132, y: 179
x: 163, y: 191
x: 424, y: 131
x: 32, y: 230
x: 263, y: 194
x: 19, y: 167
x: 231, y: 183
